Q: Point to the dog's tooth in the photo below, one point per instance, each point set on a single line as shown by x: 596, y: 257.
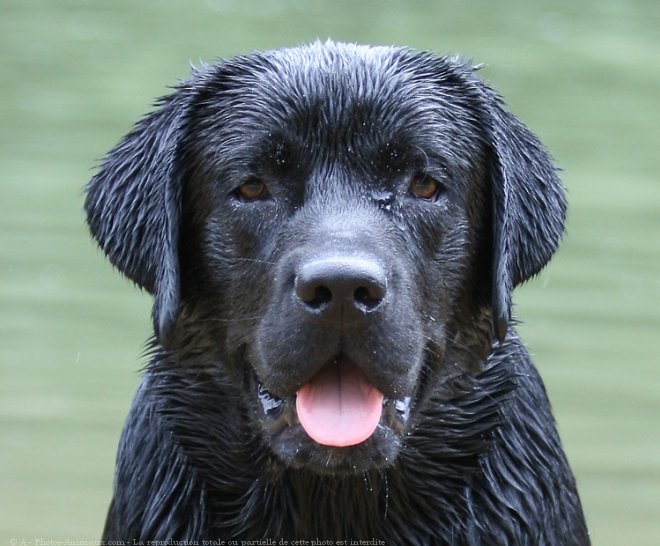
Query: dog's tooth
x: 272, y: 405
x: 402, y: 404
x: 402, y: 408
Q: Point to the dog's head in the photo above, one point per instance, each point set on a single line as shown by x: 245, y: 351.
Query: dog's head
x: 340, y: 227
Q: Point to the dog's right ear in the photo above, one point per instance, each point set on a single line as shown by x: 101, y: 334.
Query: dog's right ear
x: 133, y: 206
x: 529, y: 206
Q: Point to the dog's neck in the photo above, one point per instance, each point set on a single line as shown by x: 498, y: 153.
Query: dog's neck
x: 263, y: 498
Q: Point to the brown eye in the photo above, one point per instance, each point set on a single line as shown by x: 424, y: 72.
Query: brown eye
x: 251, y: 190
x: 425, y: 187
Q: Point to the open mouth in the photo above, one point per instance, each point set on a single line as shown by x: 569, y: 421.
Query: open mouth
x: 337, y: 409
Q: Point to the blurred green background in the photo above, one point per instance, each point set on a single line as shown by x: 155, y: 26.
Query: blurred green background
x: 75, y: 75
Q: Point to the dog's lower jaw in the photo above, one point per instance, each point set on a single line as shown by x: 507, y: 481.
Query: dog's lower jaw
x: 294, y: 448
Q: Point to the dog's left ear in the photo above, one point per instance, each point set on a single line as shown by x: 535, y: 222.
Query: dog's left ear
x: 133, y: 206
x: 529, y: 207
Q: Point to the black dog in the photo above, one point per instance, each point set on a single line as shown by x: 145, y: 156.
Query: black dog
x: 331, y: 234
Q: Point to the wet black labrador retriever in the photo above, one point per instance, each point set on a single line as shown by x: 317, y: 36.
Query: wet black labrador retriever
x: 331, y: 234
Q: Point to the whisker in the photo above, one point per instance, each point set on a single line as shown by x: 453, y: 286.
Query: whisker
x: 228, y: 320
x: 254, y: 260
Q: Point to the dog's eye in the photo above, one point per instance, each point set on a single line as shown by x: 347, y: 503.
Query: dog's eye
x: 251, y: 190
x: 425, y: 187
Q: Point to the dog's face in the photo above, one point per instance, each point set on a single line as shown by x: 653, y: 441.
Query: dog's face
x: 337, y: 227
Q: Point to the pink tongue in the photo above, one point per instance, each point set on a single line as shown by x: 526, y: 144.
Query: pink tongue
x: 339, y: 407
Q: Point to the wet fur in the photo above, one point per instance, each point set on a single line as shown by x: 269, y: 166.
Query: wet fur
x: 482, y: 462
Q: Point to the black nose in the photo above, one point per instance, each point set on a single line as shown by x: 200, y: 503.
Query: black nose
x: 341, y: 287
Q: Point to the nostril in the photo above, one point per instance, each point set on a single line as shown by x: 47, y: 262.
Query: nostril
x: 322, y: 297
x: 314, y: 294
x: 368, y: 298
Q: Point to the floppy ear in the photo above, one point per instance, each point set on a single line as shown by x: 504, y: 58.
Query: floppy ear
x: 529, y: 207
x: 133, y: 206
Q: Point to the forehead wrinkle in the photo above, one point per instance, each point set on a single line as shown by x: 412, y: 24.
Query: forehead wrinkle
x: 323, y: 88
x: 333, y: 102
x: 340, y: 101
